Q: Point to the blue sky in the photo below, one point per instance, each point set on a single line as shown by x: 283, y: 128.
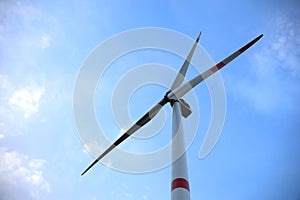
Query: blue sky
x: 42, y: 46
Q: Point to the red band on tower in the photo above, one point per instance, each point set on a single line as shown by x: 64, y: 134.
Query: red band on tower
x: 180, y: 183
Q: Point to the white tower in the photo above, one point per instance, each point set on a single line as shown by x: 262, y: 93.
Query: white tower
x: 180, y: 189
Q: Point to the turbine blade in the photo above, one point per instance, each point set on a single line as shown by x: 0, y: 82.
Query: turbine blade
x: 182, y: 90
x: 181, y: 74
x: 141, y: 122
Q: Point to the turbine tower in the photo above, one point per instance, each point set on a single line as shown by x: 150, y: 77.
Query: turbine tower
x: 180, y: 189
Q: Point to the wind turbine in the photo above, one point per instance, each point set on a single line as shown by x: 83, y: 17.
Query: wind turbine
x: 180, y: 185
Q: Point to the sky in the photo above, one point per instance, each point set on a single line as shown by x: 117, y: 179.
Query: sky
x: 43, y: 45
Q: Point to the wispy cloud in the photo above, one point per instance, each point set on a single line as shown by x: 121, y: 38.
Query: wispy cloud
x: 285, y: 44
x: 21, y: 19
x: 28, y: 65
x: 3, y: 82
x: 275, y: 72
x: 21, y: 177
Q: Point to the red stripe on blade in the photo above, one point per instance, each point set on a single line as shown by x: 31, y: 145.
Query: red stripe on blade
x: 220, y: 65
x: 180, y: 183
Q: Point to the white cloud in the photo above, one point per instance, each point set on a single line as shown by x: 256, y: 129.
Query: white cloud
x: 84, y: 151
x: 45, y: 41
x: 93, y: 147
x: 18, y: 105
x: 37, y: 164
x: 21, y: 177
x: 27, y: 100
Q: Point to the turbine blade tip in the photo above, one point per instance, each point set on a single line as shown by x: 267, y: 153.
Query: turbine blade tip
x: 259, y: 37
x: 197, y: 40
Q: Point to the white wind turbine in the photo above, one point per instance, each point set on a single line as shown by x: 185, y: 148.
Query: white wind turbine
x: 180, y: 183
